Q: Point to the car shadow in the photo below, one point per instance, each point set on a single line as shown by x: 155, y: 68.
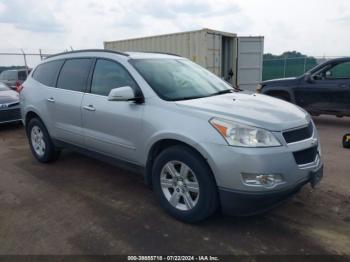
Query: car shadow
x: 120, y: 206
x: 10, y: 126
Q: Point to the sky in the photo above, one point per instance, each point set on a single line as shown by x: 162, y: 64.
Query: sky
x: 313, y: 27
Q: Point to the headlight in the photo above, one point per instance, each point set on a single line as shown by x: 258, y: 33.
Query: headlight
x: 244, y: 136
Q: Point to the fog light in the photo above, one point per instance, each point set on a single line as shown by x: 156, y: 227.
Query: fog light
x: 262, y: 180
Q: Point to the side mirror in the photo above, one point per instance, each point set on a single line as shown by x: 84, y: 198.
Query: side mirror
x: 329, y: 74
x: 124, y: 93
x: 308, y: 78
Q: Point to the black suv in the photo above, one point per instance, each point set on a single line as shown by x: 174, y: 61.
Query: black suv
x: 325, y: 89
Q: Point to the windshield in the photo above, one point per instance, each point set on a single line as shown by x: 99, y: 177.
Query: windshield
x: 3, y: 87
x: 179, y: 79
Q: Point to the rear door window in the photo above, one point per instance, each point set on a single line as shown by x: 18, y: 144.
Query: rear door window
x: 74, y: 74
x: 47, y: 73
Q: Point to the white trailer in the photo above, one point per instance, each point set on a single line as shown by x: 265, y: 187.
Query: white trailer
x: 236, y: 59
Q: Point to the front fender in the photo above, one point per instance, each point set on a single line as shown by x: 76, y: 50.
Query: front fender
x: 179, y: 138
x: 172, y: 136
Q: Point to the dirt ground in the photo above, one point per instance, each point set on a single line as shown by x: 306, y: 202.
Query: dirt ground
x: 78, y: 205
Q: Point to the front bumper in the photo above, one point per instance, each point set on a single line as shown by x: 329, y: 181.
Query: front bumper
x: 246, y: 203
x: 294, y: 162
x: 11, y: 114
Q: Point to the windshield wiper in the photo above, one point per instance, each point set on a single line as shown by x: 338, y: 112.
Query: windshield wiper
x: 221, y: 92
x: 237, y: 89
x: 185, y: 98
x: 226, y: 91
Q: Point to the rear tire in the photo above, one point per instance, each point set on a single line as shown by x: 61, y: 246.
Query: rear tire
x: 40, y: 142
x: 180, y: 173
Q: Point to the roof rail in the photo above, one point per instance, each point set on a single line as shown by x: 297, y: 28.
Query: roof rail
x: 161, y: 53
x: 88, y: 50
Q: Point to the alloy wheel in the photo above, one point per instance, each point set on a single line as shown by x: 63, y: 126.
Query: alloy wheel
x: 179, y: 185
x: 37, y: 139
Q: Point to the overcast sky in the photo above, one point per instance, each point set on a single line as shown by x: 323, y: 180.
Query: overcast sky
x: 314, y: 27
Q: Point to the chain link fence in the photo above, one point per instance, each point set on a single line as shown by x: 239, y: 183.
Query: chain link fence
x: 290, y: 66
x: 14, y: 59
x: 272, y: 68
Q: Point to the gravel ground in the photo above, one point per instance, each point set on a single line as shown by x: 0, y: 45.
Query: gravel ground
x: 78, y: 205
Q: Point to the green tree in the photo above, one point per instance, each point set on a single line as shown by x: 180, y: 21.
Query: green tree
x: 287, y: 64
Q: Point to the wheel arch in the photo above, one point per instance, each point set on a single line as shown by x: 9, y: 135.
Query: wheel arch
x: 29, y: 115
x: 160, y: 145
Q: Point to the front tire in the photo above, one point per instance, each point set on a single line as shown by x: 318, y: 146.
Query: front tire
x: 184, y: 184
x: 40, y: 142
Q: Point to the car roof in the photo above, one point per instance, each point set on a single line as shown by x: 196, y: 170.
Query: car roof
x: 104, y: 52
x: 337, y: 60
x: 150, y: 55
x: 328, y: 62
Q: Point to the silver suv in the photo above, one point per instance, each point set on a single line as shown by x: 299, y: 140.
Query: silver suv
x: 200, y: 144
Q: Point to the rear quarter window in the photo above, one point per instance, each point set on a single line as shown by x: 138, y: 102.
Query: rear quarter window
x: 47, y: 73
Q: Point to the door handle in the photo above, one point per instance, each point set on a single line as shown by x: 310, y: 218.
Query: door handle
x: 89, y: 108
x: 51, y: 99
x: 344, y: 86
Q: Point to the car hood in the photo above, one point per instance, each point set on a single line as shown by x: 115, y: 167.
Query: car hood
x: 250, y: 109
x: 8, y: 97
x: 284, y: 81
